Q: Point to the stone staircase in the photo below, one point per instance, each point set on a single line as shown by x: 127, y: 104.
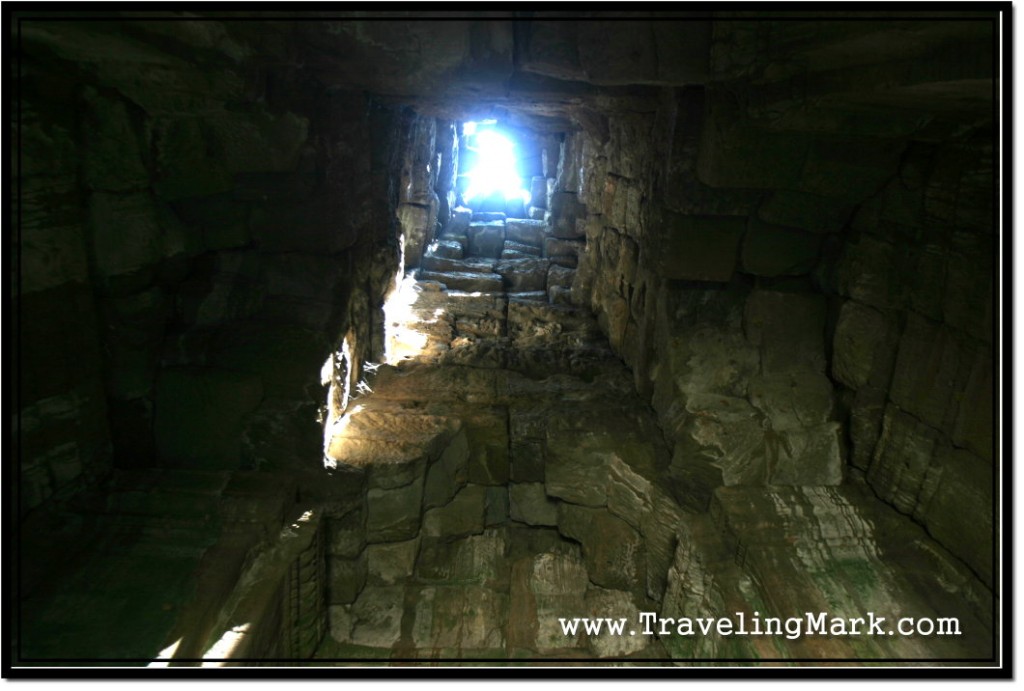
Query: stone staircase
x: 513, y: 477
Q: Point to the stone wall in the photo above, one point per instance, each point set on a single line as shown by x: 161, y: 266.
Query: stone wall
x: 796, y: 260
x: 200, y: 230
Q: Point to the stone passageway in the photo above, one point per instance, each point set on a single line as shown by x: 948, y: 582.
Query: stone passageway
x: 514, y: 479
x: 303, y: 380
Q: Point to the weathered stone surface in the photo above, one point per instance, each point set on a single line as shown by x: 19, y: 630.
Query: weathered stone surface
x: 610, y: 606
x: 930, y: 368
x: 418, y: 229
x: 477, y: 559
x: 465, y: 280
x: 864, y: 347
x: 129, y: 234
x: 488, y: 216
x: 777, y: 251
x: 788, y: 329
x: 463, y: 515
x: 611, y: 549
x: 486, y: 238
x: 523, y: 275
x: 346, y: 579
x: 394, y: 514
x: 459, y: 618
x: 527, y: 232
x: 538, y: 192
x: 449, y: 249
x: 433, y: 265
x: 377, y: 616
x: 865, y: 425
x: 347, y: 535
x: 529, y: 504
x: 459, y: 223
x: 517, y: 250
x: 555, y: 585
x: 392, y: 562
x: 447, y: 474
x: 199, y: 415
x: 699, y: 248
x: 566, y: 250
x: 560, y: 277
x: 812, y: 212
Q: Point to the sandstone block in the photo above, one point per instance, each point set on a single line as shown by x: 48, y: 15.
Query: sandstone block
x: 486, y: 238
x: 529, y: 504
x: 699, y: 248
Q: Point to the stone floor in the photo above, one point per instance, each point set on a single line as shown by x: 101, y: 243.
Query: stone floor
x: 513, y: 478
x: 499, y: 476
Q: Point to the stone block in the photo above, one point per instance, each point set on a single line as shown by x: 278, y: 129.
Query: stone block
x: 529, y: 504
x: 864, y: 347
x: 868, y: 271
x: 538, y: 192
x: 564, y: 252
x: 479, y: 615
x: 418, y: 229
x: 865, y: 425
x: 463, y: 515
x: 459, y: 223
x: 127, y: 234
x: 699, y: 248
x: 527, y: 232
x: 772, y: 251
x: 394, y: 514
x: 448, y: 249
x: 470, y: 282
x: 612, y: 605
x: 811, y: 212
x: 788, y: 329
x: 200, y: 413
x: 377, y: 616
x: 185, y: 168
x: 496, y: 506
x: 560, y: 276
x: 930, y: 365
x: 612, y: 550
x: 347, y: 535
x: 287, y: 358
x: 112, y: 160
x: 792, y: 400
x: 345, y: 579
x: 392, y: 562
x: 517, y: 250
x: 523, y: 275
x: 486, y: 238
x: 973, y: 427
x: 960, y: 511
x: 899, y: 471
x: 447, y: 474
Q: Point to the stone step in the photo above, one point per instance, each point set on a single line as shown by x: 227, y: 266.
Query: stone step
x: 527, y: 232
x: 486, y: 238
x: 519, y: 250
x: 529, y: 296
x: 449, y: 265
x: 523, y: 275
x: 450, y: 249
x: 473, y: 282
x: 488, y: 216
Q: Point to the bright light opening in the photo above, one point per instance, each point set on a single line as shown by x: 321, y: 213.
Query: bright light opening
x: 495, y: 169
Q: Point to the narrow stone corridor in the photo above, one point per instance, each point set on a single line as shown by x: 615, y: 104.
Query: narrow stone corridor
x: 513, y: 479
x: 508, y: 338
